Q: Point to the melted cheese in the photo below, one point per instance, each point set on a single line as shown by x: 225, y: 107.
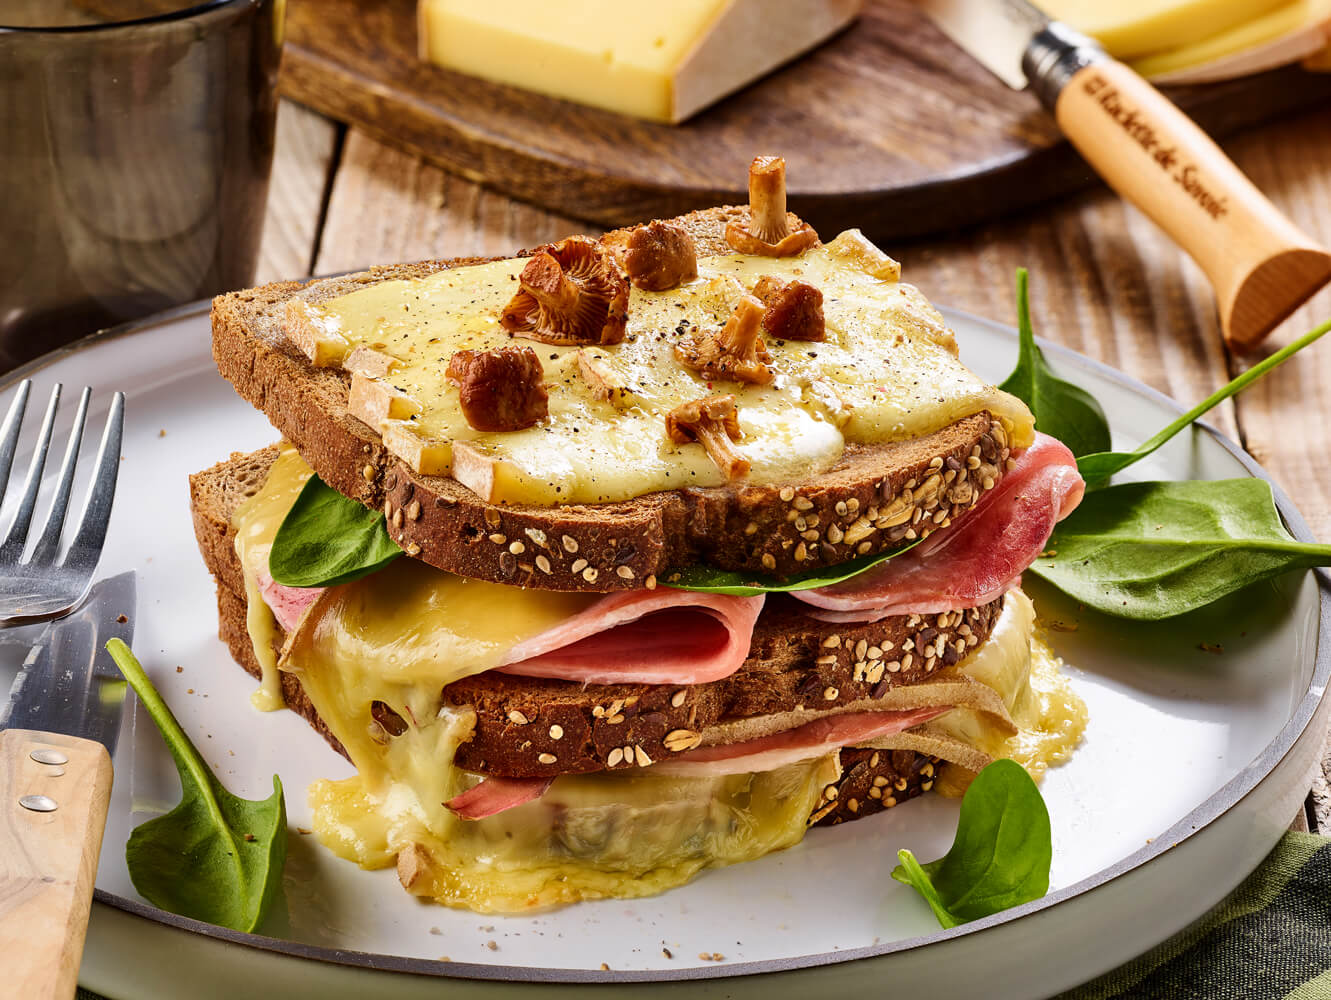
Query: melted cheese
x: 1049, y: 715
x: 888, y: 371
x: 419, y: 625
x: 397, y: 637
x: 256, y: 522
x: 589, y: 837
x: 1131, y: 29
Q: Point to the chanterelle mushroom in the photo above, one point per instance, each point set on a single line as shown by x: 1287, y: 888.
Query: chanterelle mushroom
x: 657, y: 256
x: 500, y: 389
x: 713, y: 422
x: 794, y: 309
x: 736, y: 352
x: 570, y: 292
x: 771, y: 232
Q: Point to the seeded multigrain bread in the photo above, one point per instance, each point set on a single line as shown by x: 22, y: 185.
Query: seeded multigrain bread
x: 799, y: 669
x: 868, y: 502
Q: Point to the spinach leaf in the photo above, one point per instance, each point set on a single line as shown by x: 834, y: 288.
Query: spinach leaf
x: 214, y: 857
x: 327, y: 539
x: 1061, y: 409
x: 1154, y: 550
x: 711, y: 580
x: 1098, y: 467
x: 1000, y: 856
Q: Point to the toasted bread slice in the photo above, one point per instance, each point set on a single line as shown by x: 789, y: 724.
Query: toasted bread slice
x: 872, y: 498
x: 799, y: 669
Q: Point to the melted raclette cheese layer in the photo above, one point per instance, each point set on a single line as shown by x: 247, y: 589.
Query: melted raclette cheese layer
x: 620, y: 834
x: 888, y: 371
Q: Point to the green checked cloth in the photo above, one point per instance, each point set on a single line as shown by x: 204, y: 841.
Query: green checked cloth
x: 1270, y: 940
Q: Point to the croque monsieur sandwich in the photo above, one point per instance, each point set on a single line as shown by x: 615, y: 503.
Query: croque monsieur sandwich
x: 541, y: 704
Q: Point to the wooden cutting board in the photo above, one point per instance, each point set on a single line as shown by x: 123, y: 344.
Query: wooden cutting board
x: 889, y: 126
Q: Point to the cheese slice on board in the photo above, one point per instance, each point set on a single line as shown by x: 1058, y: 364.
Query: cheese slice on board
x: 1131, y: 29
x: 1201, y: 41
x: 662, y: 61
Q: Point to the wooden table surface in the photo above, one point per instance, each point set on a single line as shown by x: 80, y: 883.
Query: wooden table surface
x: 1104, y: 280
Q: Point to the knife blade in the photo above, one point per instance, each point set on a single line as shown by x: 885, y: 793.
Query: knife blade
x: 1260, y: 264
x: 57, y: 730
x: 68, y: 683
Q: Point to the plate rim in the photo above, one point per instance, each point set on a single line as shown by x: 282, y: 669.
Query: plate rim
x: 1196, y: 820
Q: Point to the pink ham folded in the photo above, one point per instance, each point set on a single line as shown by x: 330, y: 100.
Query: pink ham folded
x: 813, y: 739
x: 286, y: 603
x: 494, y: 795
x: 663, y: 636
x: 975, y: 561
x: 660, y: 636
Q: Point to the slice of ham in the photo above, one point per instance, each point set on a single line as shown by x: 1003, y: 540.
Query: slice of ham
x: 494, y: 795
x: 286, y: 603
x: 663, y: 636
x: 977, y: 559
x: 813, y: 739
x: 660, y: 636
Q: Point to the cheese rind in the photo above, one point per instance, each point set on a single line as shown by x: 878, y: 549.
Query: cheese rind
x: 663, y: 62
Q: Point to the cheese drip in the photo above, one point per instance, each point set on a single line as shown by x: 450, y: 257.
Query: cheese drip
x: 1049, y: 715
x: 888, y: 371
x: 256, y: 522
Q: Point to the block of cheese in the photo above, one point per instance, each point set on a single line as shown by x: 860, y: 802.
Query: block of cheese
x: 660, y: 61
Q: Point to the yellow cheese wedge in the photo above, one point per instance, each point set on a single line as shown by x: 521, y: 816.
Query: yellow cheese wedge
x: 1131, y: 29
x: 1277, y: 38
x: 660, y: 61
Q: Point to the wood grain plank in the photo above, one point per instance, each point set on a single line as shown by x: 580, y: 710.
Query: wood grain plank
x: 302, y: 168
x: 391, y: 206
x: 889, y: 127
x: 1285, y: 417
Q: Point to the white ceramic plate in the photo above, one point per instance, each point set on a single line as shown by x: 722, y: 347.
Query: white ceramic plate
x: 1192, y: 766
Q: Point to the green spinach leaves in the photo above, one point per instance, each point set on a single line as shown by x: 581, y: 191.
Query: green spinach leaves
x: 327, y: 539
x: 1151, y: 551
x: 214, y: 857
x: 723, y: 581
x: 1154, y: 550
x: 1062, y: 410
x: 1097, y: 467
x: 1001, y: 854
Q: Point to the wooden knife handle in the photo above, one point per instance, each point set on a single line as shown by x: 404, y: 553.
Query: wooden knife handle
x: 48, y: 860
x: 1261, y: 266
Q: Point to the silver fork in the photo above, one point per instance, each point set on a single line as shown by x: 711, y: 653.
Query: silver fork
x: 38, y: 588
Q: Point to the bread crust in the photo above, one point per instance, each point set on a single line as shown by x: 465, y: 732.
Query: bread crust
x: 868, y: 502
x: 798, y: 669
x: 895, y: 775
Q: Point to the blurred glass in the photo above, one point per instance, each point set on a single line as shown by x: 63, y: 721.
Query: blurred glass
x: 136, y: 140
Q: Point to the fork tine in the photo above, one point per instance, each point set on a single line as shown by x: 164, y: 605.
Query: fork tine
x: 10, y: 431
x: 86, y: 548
x: 44, y: 553
x: 12, y: 547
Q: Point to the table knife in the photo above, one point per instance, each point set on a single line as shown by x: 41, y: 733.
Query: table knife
x: 58, y: 730
x: 1260, y: 264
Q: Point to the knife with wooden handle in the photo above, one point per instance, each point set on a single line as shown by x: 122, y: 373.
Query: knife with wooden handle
x: 1260, y: 264
x: 57, y: 733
